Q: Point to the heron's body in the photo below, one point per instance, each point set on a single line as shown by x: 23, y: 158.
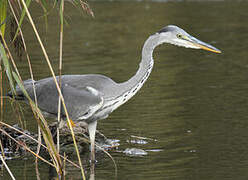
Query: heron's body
x: 107, y: 95
x: 92, y: 97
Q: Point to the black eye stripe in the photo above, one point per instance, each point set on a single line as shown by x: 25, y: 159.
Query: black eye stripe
x: 165, y: 29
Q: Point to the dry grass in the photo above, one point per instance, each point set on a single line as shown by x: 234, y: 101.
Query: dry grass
x: 19, y: 10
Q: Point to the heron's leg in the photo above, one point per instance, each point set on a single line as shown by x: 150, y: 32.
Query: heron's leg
x: 72, y: 123
x: 92, y: 133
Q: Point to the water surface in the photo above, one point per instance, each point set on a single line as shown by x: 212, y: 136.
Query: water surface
x: 193, y: 106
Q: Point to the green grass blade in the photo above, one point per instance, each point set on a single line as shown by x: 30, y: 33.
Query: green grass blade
x: 61, y: 13
x: 3, y: 14
x: 44, y: 4
x: 45, y: 10
x: 22, y: 18
x: 7, y: 66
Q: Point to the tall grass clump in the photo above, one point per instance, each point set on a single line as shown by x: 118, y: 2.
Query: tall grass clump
x: 18, y: 11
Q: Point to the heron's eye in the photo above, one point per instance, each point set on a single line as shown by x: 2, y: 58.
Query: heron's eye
x: 180, y: 36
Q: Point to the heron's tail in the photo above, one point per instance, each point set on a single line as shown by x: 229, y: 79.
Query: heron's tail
x: 18, y: 95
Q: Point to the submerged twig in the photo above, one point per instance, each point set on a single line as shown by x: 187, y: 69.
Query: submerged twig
x: 37, y: 170
x: 6, y: 166
x: 26, y: 148
x: 33, y: 139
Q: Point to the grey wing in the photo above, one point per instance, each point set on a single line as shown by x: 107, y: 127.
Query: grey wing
x: 81, y: 103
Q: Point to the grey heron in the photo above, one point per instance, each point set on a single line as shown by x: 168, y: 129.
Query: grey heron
x: 92, y: 97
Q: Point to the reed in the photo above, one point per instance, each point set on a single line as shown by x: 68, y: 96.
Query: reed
x: 6, y: 166
x: 7, y: 62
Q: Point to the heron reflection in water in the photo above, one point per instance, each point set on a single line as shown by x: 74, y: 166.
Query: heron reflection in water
x: 92, y: 97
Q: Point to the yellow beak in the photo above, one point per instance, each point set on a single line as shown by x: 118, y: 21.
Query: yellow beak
x: 202, y: 45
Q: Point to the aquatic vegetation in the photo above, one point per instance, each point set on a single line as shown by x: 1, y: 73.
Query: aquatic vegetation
x: 16, y: 12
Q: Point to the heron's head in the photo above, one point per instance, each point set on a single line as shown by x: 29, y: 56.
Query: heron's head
x: 177, y: 36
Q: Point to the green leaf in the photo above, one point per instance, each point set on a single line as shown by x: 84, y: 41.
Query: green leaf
x: 7, y: 66
x: 44, y: 4
x: 61, y: 13
x: 3, y: 14
x: 22, y: 18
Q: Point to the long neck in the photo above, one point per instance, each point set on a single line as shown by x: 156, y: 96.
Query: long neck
x: 145, y: 66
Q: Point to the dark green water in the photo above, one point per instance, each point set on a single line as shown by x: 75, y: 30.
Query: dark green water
x: 194, y: 103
